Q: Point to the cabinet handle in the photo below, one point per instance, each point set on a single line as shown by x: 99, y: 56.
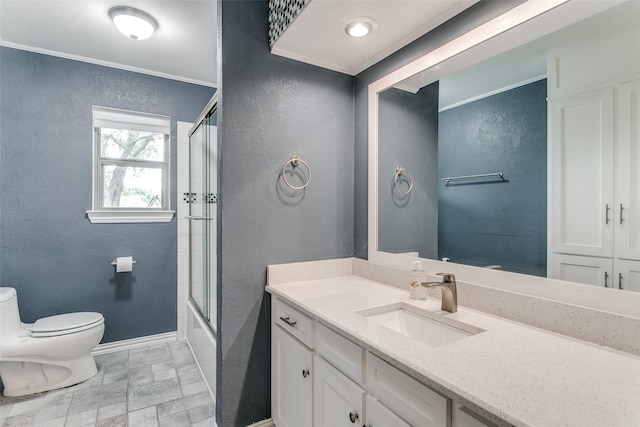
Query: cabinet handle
x: 621, y: 209
x: 305, y: 373
x: 619, y: 280
x: 353, y: 417
x: 288, y: 321
x: 606, y: 214
x: 606, y: 279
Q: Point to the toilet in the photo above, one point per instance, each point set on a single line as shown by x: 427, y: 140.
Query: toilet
x: 53, y: 352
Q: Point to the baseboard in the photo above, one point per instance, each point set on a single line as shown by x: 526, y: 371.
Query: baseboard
x: 112, y: 347
x: 263, y: 423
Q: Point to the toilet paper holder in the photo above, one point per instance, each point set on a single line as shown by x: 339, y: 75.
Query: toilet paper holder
x: 115, y: 262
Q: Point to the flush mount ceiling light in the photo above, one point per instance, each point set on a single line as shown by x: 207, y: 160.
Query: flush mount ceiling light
x: 133, y: 23
x: 359, y: 26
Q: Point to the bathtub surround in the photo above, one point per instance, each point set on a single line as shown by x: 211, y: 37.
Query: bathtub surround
x: 56, y: 259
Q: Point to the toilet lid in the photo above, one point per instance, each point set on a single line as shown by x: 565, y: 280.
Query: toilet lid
x: 65, y: 324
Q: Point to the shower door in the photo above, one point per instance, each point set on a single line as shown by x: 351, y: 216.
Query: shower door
x: 203, y: 187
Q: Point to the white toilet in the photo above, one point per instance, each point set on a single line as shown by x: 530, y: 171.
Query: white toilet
x: 52, y: 353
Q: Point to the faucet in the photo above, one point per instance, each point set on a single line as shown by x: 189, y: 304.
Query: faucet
x: 449, y: 291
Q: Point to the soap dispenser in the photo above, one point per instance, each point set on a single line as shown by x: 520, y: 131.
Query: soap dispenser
x: 416, y: 277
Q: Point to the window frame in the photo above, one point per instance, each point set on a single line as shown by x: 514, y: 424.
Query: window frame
x: 111, y: 118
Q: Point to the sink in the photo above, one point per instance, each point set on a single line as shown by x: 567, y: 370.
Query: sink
x: 419, y: 325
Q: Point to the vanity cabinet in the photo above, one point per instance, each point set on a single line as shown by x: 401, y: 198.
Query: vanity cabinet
x: 594, y: 144
x: 322, y: 379
x: 292, y: 370
x: 337, y: 401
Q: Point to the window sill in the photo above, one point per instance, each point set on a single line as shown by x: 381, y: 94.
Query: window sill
x: 129, y: 217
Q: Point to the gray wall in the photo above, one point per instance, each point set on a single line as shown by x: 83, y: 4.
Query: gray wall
x: 56, y: 259
x: 408, y: 137
x: 466, y: 21
x: 272, y: 108
x: 500, y: 222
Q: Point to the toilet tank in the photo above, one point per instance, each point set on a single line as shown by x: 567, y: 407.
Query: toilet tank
x: 9, y: 313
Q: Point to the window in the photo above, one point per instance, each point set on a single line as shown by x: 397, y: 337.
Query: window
x: 131, y: 167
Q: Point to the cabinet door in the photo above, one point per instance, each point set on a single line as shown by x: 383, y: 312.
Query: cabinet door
x: 582, y: 144
x: 378, y: 415
x: 337, y: 401
x: 627, y: 275
x: 588, y: 270
x: 627, y: 234
x: 291, y: 383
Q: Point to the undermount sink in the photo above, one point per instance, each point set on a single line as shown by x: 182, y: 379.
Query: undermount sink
x: 418, y: 325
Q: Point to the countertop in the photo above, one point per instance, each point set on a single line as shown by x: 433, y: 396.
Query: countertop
x: 520, y: 374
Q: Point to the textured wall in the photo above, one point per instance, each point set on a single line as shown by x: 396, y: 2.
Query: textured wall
x: 56, y: 259
x: 467, y: 20
x: 408, y: 137
x: 272, y: 108
x: 500, y: 222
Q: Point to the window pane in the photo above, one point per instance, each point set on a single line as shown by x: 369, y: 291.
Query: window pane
x: 131, y: 187
x: 131, y: 144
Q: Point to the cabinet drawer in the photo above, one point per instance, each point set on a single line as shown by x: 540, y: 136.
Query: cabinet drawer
x: 462, y: 417
x: 414, y: 402
x: 340, y: 352
x: 294, y: 322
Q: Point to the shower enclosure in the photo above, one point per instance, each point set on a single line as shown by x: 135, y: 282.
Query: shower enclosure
x: 203, y: 202
x: 202, y: 218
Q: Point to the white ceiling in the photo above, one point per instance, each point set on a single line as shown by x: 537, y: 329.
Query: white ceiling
x: 316, y: 36
x: 183, y: 48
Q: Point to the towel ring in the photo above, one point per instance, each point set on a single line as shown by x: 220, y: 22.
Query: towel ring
x: 295, y: 161
x: 400, y: 171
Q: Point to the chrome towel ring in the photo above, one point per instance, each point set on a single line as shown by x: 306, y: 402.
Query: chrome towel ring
x: 400, y: 171
x: 295, y: 161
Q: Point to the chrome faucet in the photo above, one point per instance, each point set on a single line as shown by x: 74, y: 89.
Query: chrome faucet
x: 449, y: 291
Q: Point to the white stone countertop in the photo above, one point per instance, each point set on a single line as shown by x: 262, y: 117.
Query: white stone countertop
x: 522, y: 375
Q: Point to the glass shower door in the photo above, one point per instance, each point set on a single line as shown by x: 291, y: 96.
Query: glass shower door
x: 202, y: 217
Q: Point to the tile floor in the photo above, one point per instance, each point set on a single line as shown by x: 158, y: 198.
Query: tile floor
x: 157, y: 385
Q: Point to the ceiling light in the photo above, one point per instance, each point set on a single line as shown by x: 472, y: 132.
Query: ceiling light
x: 359, y: 26
x: 133, y: 23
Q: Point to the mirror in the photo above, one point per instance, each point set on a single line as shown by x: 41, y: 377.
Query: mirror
x: 475, y: 111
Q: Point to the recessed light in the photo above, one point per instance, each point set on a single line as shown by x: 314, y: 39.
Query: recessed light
x: 359, y: 26
x: 133, y: 23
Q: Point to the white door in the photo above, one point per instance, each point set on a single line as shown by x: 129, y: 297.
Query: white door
x: 627, y: 234
x: 582, y: 144
x: 582, y: 269
x: 378, y: 415
x: 337, y: 401
x: 291, y: 384
x: 627, y: 275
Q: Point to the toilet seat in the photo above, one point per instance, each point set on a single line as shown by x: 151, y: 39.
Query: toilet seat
x: 63, y: 324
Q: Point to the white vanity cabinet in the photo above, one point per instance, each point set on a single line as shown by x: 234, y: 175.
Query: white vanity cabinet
x: 291, y: 369
x: 322, y: 379
x: 594, y: 144
x: 337, y: 401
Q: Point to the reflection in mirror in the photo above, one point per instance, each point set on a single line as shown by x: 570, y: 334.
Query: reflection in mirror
x: 551, y: 199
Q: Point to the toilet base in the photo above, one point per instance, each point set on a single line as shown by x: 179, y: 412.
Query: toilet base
x: 21, y: 378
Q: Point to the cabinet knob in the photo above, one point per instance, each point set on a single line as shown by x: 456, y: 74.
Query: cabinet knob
x: 305, y: 373
x: 353, y: 417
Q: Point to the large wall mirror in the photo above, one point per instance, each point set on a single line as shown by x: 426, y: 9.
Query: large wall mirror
x: 512, y: 153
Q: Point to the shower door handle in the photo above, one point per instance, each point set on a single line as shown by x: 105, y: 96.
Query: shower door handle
x: 198, y: 218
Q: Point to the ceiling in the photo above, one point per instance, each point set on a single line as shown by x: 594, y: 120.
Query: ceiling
x: 183, y: 48
x: 316, y: 35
